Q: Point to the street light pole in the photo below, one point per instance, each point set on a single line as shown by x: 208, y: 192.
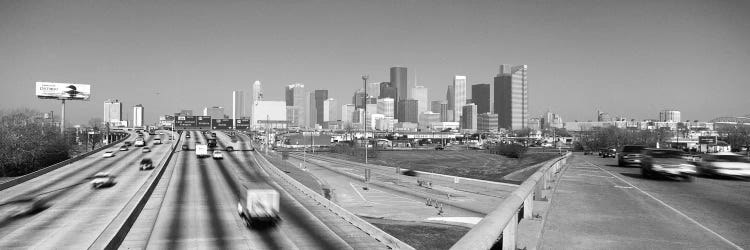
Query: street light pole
x: 367, y: 140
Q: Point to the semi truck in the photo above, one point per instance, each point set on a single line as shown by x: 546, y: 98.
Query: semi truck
x: 259, y: 207
x: 201, y: 151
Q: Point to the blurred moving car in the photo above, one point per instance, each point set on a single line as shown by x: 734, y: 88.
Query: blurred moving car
x: 146, y: 149
x: 157, y: 141
x: 102, y: 179
x: 108, y: 154
x: 439, y: 147
x: 607, y: 152
x: 217, y: 155
x: 146, y: 163
x: 185, y: 147
x: 725, y: 164
x: 26, y: 206
x: 630, y: 155
x: 128, y: 144
x: 123, y: 148
x: 670, y: 163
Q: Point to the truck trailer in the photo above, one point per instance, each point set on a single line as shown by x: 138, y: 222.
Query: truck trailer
x: 201, y: 151
x: 260, y: 207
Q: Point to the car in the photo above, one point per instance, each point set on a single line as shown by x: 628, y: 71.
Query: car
x: 124, y: 148
x: 102, y: 179
x: 630, y: 155
x: 146, y: 163
x: 127, y: 143
x: 157, y: 141
x: 146, y: 149
x: 217, y: 155
x: 108, y: 154
x: 187, y: 136
x: 607, y: 152
x: 439, y: 147
x: 185, y: 147
x: 161, y: 133
x: 229, y: 149
x: 670, y: 163
x: 26, y: 206
x: 724, y: 164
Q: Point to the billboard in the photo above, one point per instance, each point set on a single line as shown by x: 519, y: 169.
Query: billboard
x: 63, y: 91
x: 243, y: 124
x: 707, y: 140
x: 221, y: 124
x: 185, y: 122
x: 203, y: 122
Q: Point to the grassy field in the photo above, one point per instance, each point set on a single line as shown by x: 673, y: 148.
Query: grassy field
x: 421, y: 235
x: 466, y: 163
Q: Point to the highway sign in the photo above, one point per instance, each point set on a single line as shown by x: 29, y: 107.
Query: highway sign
x: 243, y: 124
x: 203, y: 122
x: 707, y: 140
x: 186, y: 122
x: 221, y: 124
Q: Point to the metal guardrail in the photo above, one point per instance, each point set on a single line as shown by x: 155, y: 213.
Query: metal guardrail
x: 502, y: 222
x: 32, y: 175
x: 377, y: 233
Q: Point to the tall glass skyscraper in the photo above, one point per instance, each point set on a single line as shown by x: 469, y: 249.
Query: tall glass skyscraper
x: 459, y: 96
x: 510, y: 92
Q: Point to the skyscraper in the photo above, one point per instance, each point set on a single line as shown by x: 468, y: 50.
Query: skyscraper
x: 668, y: 115
x: 408, y: 111
x: 459, y: 96
x: 451, y: 102
x: 419, y: 93
x: 385, y: 107
x: 255, y: 97
x: 320, y: 96
x: 347, y: 113
x: 138, y: 116
x: 398, y: 79
x: 214, y: 112
x: 295, y: 102
x: 469, y: 116
x: 237, y: 105
x: 331, y: 110
x: 359, y: 98
x: 112, y: 111
x: 373, y: 89
x: 435, y: 106
x: 311, y: 113
x: 480, y: 95
x: 510, y: 91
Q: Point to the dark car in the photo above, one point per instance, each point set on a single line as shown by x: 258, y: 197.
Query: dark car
x: 670, y: 163
x: 439, y: 147
x: 146, y: 163
x: 127, y: 143
x: 185, y: 147
x: 607, y: 152
x: 630, y: 155
x: 124, y: 148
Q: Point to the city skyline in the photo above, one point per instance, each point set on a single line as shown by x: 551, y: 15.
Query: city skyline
x: 578, y: 57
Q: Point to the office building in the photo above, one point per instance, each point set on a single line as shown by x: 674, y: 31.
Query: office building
x: 138, y: 116
x: 331, y: 110
x: 601, y: 117
x: 459, y: 96
x: 112, y: 111
x: 427, y: 118
x: 510, y: 97
x: 214, y: 112
x: 255, y: 97
x: 385, y: 107
x: 435, y: 106
x: 446, y: 114
x: 469, y: 117
x: 347, y: 113
x: 480, y: 95
x: 272, y: 111
x: 449, y: 97
x: 237, y: 105
x: 669, y: 116
x: 359, y: 99
x: 373, y: 89
x: 408, y: 111
x: 295, y: 102
x: 185, y: 112
x: 419, y: 93
x: 311, y: 114
x: 321, y: 95
x: 398, y: 79
x: 487, y: 122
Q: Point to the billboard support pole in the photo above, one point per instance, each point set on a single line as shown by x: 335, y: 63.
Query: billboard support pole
x: 62, y: 119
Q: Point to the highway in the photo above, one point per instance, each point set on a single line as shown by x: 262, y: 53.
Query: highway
x: 196, y: 207
x: 78, y: 214
x: 599, y: 205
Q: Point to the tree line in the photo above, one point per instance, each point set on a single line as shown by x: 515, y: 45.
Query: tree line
x: 28, y: 144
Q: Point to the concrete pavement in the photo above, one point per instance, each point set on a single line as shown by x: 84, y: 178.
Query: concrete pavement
x: 597, y: 205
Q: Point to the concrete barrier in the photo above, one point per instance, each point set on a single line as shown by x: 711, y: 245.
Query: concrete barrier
x: 32, y: 175
x: 114, y: 234
x: 502, y: 221
x: 377, y: 233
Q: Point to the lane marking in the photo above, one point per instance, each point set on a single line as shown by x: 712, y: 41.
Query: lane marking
x: 360, y: 194
x: 622, y: 187
x: 595, y: 175
x: 670, y: 207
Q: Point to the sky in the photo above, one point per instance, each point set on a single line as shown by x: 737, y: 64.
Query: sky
x: 629, y: 58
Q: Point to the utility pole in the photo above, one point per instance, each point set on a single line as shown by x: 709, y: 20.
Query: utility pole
x: 367, y: 140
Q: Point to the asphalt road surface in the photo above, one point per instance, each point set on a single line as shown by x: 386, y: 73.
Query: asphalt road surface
x: 78, y: 214
x: 198, y: 208
x: 599, y: 205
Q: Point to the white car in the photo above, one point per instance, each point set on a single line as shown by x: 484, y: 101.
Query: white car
x: 157, y: 141
x: 102, y: 179
x: 725, y: 164
x: 108, y: 154
x: 217, y: 155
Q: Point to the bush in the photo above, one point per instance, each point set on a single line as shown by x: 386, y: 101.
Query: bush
x: 509, y: 150
x: 347, y: 149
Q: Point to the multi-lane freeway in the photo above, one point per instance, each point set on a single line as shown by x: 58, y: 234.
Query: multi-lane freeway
x: 77, y: 214
x: 599, y: 205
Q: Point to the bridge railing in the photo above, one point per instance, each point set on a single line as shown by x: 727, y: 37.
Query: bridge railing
x: 501, y: 224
